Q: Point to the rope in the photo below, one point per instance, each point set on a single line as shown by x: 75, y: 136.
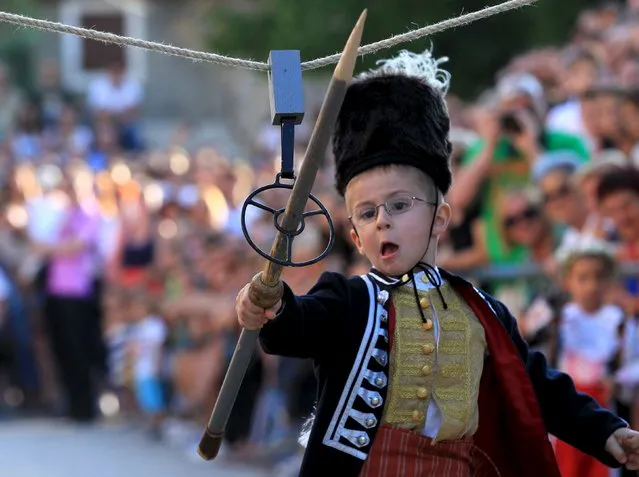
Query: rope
x: 128, y: 41
x: 256, y: 65
x: 422, y: 32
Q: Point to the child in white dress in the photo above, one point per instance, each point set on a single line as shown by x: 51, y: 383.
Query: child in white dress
x: 147, y: 339
x: 590, y: 337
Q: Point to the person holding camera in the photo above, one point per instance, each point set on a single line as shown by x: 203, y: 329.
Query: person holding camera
x: 512, y: 137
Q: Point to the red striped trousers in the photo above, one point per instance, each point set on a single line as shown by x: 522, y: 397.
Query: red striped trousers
x: 397, y: 452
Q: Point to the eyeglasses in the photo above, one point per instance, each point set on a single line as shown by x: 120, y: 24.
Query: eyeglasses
x: 397, y: 205
x: 563, y: 191
x: 526, y: 215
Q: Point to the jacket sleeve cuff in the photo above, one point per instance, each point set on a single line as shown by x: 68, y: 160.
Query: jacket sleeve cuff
x: 286, y: 297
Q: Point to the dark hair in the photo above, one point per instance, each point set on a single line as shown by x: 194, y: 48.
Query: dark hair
x: 623, y: 179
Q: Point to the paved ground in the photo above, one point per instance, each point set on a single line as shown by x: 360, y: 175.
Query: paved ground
x: 53, y: 448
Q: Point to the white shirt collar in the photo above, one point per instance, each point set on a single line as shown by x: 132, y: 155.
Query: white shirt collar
x: 420, y: 278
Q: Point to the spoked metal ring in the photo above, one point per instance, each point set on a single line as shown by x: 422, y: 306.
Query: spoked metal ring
x: 289, y: 236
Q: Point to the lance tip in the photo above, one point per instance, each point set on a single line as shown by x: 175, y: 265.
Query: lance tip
x: 346, y: 65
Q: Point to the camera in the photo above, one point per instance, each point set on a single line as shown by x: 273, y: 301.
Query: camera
x: 510, y: 124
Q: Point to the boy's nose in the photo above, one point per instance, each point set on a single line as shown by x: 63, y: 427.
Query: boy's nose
x: 383, y: 219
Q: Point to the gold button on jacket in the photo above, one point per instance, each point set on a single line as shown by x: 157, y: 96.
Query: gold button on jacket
x: 428, y: 348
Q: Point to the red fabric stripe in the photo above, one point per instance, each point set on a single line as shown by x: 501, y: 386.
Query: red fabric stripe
x: 397, y: 452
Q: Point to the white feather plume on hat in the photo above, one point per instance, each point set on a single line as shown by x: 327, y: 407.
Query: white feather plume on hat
x: 419, y: 65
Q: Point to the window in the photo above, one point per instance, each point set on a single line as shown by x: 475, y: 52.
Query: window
x: 95, y: 54
x: 81, y: 61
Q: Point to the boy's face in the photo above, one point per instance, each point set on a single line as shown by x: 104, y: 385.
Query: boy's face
x: 587, y: 281
x: 394, y: 244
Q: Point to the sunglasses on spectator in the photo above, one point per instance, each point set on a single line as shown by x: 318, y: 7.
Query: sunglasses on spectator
x: 526, y: 215
x: 560, y: 193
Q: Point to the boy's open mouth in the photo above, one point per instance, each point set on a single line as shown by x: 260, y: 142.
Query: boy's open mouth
x: 388, y: 249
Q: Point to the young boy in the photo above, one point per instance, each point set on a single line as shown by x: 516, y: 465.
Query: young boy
x: 147, y: 342
x: 591, y: 333
x: 419, y: 372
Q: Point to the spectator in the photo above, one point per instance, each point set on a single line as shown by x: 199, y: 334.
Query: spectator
x: 12, y: 342
x: 135, y: 246
x: 54, y: 99
x: 530, y: 237
x: 564, y: 203
x: 70, y: 318
x: 581, y: 71
x: 66, y: 136
x: 118, y: 98
x: 26, y: 140
x: 601, y: 108
x: 618, y: 195
x: 590, y: 340
x: 587, y: 181
x: 146, y: 343
x: 629, y: 113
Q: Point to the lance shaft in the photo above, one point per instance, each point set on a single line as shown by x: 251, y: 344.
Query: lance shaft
x: 266, y: 288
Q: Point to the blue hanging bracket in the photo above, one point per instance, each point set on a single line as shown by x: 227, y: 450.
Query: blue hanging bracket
x: 286, y: 94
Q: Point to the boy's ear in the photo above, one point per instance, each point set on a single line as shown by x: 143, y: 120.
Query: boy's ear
x: 356, y: 240
x: 443, y: 215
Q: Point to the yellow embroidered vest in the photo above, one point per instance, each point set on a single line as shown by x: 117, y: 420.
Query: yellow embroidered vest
x: 435, y: 364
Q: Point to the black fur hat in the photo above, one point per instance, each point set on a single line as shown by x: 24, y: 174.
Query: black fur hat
x: 395, y: 115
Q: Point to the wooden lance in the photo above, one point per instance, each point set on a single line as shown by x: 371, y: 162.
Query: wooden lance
x: 266, y: 288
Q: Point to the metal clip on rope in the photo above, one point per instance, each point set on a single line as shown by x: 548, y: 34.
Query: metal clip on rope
x: 287, y: 106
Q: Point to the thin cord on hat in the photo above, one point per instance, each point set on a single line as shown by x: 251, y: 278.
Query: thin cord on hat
x: 429, y: 270
x: 241, y: 63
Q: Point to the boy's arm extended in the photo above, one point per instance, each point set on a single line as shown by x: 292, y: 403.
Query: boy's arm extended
x: 312, y: 325
x: 571, y: 416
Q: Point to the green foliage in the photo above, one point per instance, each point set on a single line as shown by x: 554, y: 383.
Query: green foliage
x: 320, y: 27
x: 17, y: 43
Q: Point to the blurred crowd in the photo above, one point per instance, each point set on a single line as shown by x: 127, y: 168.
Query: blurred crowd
x: 119, y: 264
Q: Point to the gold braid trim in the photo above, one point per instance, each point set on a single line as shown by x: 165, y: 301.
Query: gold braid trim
x: 450, y: 374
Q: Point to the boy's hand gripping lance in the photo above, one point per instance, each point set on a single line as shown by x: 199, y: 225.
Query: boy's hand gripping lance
x: 287, y: 109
